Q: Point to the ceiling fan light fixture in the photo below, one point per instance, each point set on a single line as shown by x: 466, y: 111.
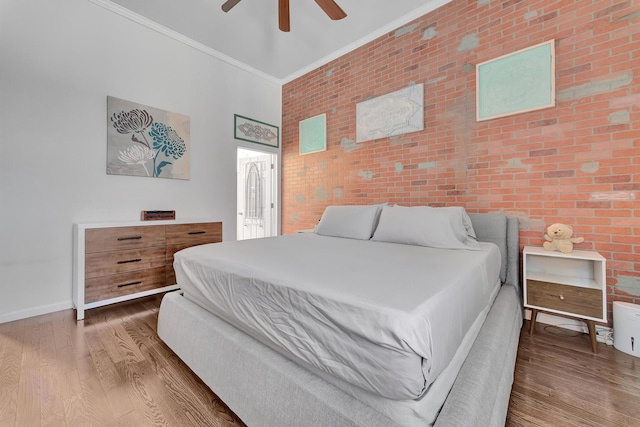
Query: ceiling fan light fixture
x: 283, y: 16
x: 330, y: 7
x: 226, y: 6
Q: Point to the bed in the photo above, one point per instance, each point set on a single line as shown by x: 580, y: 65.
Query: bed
x: 365, y: 342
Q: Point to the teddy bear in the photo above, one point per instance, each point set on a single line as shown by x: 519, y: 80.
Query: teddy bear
x: 558, y: 238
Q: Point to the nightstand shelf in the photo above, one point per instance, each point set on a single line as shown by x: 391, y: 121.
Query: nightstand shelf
x: 570, y: 284
x: 565, y: 280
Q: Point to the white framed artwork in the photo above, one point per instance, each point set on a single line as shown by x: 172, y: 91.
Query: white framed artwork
x: 393, y: 114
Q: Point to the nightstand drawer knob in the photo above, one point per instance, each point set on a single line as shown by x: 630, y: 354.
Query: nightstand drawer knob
x: 562, y: 297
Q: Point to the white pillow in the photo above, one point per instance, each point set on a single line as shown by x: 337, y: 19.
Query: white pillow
x: 445, y: 228
x: 352, y: 222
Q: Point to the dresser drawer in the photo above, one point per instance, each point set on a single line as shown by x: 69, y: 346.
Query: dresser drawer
x: 131, y: 260
x: 171, y: 250
x: 116, y: 285
x: 196, y: 233
x: 107, y: 263
x: 122, y: 238
x: 570, y: 299
x: 171, y: 276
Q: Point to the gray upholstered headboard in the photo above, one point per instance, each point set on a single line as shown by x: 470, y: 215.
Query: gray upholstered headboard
x: 503, y: 231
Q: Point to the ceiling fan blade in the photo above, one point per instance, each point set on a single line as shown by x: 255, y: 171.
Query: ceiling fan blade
x: 283, y: 15
x: 332, y: 9
x: 226, y: 7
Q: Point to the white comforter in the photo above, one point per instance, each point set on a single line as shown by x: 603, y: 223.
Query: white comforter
x: 386, y: 317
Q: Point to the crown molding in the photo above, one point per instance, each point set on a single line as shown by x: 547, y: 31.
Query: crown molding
x: 137, y: 18
x: 391, y: 26
x: 429, y: 6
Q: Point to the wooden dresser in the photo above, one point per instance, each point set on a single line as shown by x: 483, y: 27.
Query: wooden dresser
x: 116, y: 262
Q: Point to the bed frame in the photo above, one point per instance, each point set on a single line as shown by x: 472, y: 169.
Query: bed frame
x: 265, y: 388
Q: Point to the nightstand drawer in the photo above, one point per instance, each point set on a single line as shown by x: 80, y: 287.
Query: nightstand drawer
x: 570, y: 299
x: 116, y: 285
x: 196, y: 233
x: 107, y: 263
x: 122, y: 238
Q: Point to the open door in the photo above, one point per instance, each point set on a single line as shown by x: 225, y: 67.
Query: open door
x: 256, y: 194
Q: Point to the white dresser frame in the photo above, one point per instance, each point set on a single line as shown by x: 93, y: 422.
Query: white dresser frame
x: 79, y: 231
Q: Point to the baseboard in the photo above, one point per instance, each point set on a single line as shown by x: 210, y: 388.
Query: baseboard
x: 35, y: 311
x: 561, y: 322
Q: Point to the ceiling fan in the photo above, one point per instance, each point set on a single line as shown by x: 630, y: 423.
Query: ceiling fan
x: 329, y: 6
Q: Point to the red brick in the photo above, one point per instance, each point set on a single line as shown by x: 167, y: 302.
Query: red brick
x: 530, y: 163
x: 612, y: 179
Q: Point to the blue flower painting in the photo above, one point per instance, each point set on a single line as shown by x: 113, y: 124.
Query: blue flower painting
x: 146, y: 141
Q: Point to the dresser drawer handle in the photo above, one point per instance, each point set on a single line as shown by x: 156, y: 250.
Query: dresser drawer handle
x: 562, y: 297
x: 130, y: 238
x: 130, y: 260
x: 129, y: 284
x: 197, y: 232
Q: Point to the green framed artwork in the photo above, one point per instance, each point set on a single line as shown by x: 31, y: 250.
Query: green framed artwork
x: 313, y: 134
x: 516, y: 83
x: 246, y: 129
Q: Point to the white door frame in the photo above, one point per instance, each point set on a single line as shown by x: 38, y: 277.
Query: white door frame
x: 276, y: 186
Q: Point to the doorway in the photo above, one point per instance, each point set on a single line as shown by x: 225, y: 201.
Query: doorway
x: 256, y: 194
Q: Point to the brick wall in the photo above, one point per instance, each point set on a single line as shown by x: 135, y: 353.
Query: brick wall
x: 577, y: 163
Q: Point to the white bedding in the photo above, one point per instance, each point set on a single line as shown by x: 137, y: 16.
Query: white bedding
x: 386, y: 317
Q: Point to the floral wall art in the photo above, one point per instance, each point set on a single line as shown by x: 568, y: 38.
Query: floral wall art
x: 146, y: 141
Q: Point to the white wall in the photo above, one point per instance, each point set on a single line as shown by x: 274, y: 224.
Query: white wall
x: 58, y: 62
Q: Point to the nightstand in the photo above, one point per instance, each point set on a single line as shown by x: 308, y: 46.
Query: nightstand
x: 570, y: 284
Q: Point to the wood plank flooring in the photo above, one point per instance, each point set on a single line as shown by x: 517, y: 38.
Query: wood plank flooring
x: 109, y: 370
x: 559, y: 381
x: 113, y: 370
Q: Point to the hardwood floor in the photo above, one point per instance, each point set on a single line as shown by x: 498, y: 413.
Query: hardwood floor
x: 559, y: 381
x: 113, y: 370
x: 110, y: 370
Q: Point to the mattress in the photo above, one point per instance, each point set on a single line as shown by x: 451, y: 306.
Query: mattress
x: 384, y: 317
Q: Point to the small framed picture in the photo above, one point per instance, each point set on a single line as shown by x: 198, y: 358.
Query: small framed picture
x: 246, y: 129
x: 313, y: 134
